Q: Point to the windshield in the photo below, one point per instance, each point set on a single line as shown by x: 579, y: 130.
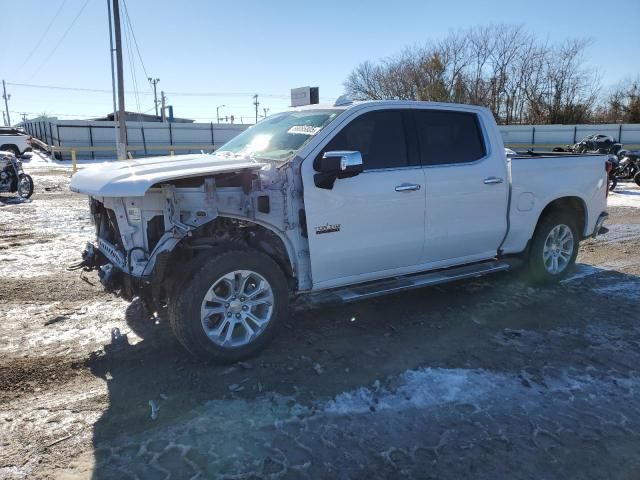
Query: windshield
x: 279, y: 136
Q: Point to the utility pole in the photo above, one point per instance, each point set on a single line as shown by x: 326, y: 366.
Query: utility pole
x: 24, y: 117
x: 113, y: 82
x: 122, y: 144
x: 4, y: 118
x: 164, y: 100
x: 6, y: 103
x: 265, y: 110
x: 256, y: 103
x: 154, y: 82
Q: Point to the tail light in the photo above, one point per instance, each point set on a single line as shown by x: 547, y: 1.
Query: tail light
x: 608, y: 166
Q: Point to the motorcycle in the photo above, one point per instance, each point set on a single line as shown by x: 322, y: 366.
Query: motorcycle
x: 12, y: 176
x: 596, y: 143
x: 626, y: 167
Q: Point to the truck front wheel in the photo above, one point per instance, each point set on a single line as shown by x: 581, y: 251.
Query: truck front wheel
x: 554, y: 248
x: 231, y: 306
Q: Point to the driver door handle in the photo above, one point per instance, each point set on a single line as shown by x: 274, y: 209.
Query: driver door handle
x: 407, y: 187
x: 492, y: 180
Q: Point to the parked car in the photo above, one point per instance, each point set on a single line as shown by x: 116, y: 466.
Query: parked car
x: 332, y: 204
x: 15, y: 141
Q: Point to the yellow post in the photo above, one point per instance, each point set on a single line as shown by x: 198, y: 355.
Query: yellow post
x: 73, y: 161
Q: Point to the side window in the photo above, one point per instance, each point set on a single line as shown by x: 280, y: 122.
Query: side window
x: 378, y: 136
x: 447, y: 137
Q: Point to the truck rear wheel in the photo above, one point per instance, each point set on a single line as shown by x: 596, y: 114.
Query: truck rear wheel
x: 231, y: 306
x: 554, y: 248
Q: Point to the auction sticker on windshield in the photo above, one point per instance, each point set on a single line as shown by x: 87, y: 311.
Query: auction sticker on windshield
x: 304, y: 130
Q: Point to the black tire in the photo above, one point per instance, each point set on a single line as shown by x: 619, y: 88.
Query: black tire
x: 26, y: 194
x: 538, y: 272
x: 186, y: 301
x: 11, y: 148
x: 636, y: 178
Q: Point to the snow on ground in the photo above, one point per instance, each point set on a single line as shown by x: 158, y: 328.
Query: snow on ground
x: 480, y: 380
x: 37, y: 159
x: 625, y: 288
x: 418, y: 388
x: 447, y: 422
x: 626, y: 194
x: 619, y: 232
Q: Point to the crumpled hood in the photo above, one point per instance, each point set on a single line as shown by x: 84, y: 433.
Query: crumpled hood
x: 133, y: 178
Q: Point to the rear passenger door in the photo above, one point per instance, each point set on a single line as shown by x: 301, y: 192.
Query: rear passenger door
x: 466, y: 187
x: 372, y: 224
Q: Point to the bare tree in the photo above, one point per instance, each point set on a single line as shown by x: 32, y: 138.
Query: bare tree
x: 502, y: 67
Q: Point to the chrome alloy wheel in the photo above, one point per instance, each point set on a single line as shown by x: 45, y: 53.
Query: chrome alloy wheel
x: 237, y: 308
x: 558, y: 249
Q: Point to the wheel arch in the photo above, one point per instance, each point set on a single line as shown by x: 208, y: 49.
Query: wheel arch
x: 567, y: 203
x: 229, y: 231
x: 13, y: 145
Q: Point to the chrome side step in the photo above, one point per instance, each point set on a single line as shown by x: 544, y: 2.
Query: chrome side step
x: 399, y: 284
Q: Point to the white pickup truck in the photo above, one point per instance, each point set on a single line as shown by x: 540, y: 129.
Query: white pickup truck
x: 14, y: 141
x: 332, y: 203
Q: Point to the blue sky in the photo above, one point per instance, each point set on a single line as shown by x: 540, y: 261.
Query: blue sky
x: 236, y: 48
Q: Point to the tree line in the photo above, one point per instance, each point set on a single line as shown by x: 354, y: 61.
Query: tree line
x: 505, y: 68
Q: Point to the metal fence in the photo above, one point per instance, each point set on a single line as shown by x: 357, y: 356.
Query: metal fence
x: 548, y: 136
x: 143, y: 138
x: 149, y: 138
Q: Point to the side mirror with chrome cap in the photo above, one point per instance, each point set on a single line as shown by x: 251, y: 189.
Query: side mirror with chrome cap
x: 337, y: 164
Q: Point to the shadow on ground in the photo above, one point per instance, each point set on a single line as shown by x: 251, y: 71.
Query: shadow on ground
x: 269, y: 416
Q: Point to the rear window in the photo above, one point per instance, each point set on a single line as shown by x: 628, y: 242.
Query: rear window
x: 447, y: 137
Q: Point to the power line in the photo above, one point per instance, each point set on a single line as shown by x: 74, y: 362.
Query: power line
x: 58, y: 114
x: 135, y: 41
x: 56, y: 87
x: 44, y: 34
x: 177, y: 94
x: 132, y: 68
x: 64, y: 35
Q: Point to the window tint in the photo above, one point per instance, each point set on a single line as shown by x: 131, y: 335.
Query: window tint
x: 448, y: 137
x: 378, y: 136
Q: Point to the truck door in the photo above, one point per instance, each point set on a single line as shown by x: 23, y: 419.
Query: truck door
x: 373, y: 223
x: 466, y: 187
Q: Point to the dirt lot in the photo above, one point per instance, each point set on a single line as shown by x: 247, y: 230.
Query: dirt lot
x: 481, y: 379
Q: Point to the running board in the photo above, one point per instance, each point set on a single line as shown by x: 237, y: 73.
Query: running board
x: 399, y: 284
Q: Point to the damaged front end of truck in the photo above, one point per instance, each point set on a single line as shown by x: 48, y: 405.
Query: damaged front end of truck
x: 155, y: 219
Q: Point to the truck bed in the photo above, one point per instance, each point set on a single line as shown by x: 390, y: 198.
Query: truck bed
x: 546, y: 176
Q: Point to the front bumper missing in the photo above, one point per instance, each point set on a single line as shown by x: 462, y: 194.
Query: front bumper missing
x: 599, y: 228
x: 111, y: 268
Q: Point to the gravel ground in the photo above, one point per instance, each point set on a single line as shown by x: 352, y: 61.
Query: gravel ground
x: 481, y: 379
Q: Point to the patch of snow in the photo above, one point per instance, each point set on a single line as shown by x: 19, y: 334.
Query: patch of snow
x: 629, y: 289
x: 420, y: 388
x: 627, y: 194
x: 583, y: 270
x: 41, y: 159
x: 619, y: 232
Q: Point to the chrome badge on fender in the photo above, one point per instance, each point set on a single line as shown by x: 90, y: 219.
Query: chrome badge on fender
x: 328, y: 228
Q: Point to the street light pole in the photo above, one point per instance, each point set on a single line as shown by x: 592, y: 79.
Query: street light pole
x: 218, y: 112
x: 154, y: 82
